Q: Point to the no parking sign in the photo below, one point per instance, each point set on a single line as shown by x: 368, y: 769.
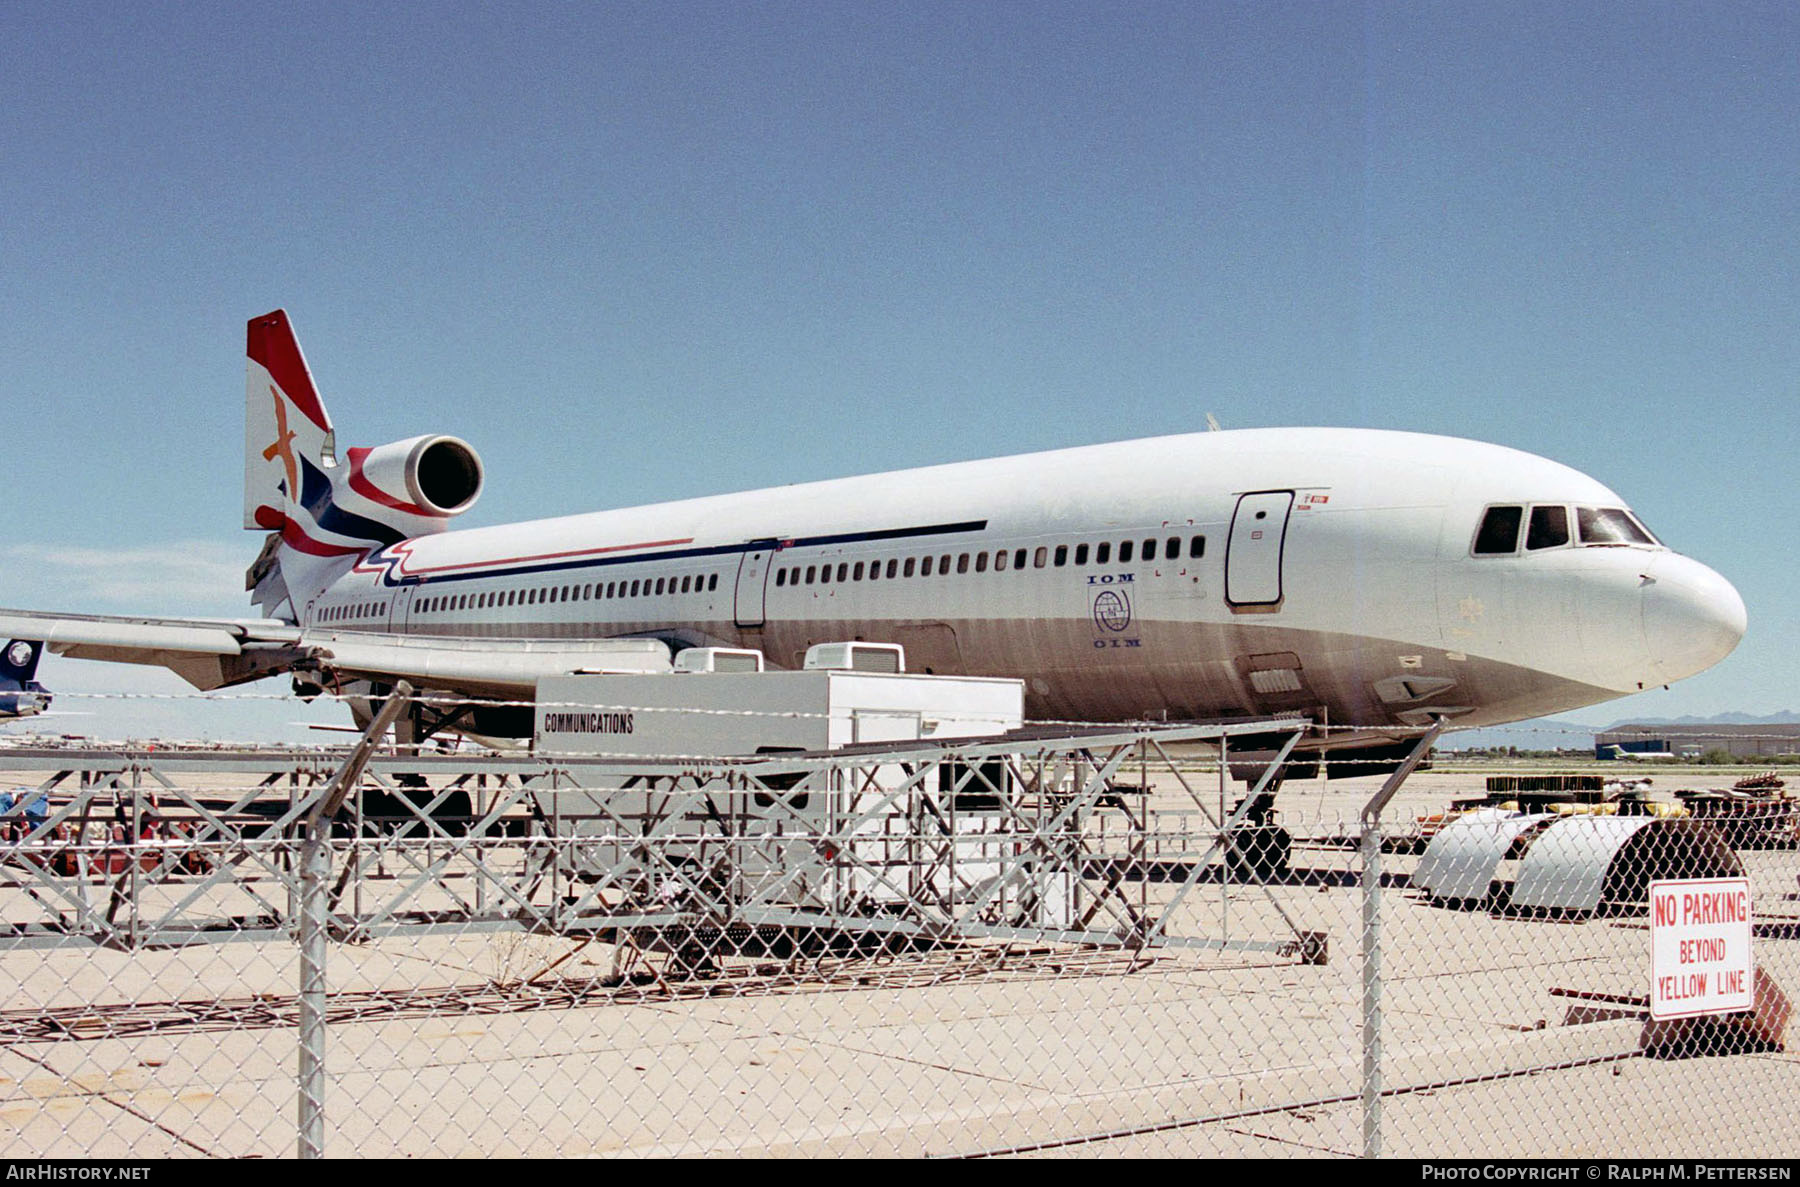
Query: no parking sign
x: 1700, y: 960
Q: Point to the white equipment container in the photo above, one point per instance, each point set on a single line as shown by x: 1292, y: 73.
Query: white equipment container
x: 776, y: 839
x: 720, y: 714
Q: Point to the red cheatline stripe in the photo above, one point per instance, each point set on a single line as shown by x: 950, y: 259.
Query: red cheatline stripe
x: 542, y: 556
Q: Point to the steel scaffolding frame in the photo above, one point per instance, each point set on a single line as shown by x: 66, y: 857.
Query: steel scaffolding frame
x: 1026, y: 837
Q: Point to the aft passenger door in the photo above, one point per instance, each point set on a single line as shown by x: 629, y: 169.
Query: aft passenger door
x: 752, y: 580
x: 1253, y: 551
x: 400, y: 609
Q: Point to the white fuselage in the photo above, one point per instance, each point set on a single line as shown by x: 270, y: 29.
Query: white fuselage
x: 1325, y: 572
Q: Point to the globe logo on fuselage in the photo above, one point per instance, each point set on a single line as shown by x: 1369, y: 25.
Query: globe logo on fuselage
x: 1112, y: 610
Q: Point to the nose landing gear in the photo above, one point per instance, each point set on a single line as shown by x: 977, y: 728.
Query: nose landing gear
x: 1258, y: 849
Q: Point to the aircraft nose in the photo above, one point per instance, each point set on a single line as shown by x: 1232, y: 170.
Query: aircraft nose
x: 1693, y: 618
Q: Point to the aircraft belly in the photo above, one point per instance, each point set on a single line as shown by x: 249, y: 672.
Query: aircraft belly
x: 1080, y: 671
x: 1105, y: 667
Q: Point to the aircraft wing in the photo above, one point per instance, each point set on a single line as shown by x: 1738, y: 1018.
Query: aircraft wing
x: 495, y: 667
x: 206, y: 652
x: 214, y: 653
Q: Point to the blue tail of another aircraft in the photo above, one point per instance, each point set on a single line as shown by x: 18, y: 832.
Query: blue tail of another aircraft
x: 20, y: 694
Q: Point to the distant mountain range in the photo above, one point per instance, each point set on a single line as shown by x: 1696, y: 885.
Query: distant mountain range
x: 1550, y: 733
x: 1785, y: 717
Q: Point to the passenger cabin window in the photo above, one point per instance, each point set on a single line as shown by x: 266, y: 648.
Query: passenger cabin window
x: 1499, y: 534
x: 1124, y: 552
x: 1549, y: 528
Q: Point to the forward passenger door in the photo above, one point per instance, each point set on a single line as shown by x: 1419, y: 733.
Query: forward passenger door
x: 1253, y: 551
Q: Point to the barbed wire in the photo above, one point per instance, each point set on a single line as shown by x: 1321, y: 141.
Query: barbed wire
x: 1674, y: 729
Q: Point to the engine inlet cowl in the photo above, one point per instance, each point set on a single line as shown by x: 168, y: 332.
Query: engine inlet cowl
x: 431, y: 476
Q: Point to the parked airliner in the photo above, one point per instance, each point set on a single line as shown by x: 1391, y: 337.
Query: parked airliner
x: 1368, y: 580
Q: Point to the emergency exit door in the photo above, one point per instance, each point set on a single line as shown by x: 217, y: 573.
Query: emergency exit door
x: 1253, y: 550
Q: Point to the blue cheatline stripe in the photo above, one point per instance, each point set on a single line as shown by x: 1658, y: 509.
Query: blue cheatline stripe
x: 781, y: 545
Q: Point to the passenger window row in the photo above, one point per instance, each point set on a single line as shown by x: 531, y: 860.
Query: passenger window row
x: 359, y: 610
x: 592, y: 592
x: 997, y: 560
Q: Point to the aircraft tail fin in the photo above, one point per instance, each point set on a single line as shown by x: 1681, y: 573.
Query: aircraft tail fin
x: 286, y: 426
x: 325, y: 515
x: 18, y: 663
x: 20, y: 694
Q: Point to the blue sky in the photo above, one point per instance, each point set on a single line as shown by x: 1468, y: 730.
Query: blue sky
x: 635, y: 252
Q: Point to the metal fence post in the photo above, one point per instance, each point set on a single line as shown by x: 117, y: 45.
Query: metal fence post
x: 315, y: 876
x: 1369, y: 846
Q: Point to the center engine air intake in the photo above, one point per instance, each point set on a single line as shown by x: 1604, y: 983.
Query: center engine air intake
x: 431, y: 476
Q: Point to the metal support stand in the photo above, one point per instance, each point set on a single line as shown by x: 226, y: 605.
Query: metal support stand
x: 1370, y: 846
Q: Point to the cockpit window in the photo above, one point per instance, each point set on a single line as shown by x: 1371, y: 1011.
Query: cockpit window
x: 1499, y: 534
x: 1549, y: 528
x: 1610, y: 525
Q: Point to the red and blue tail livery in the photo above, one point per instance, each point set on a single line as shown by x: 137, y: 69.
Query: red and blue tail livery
x: 329, y: 511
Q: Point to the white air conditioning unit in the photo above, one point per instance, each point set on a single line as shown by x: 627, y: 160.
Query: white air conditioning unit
x: 718, y: 659
x: 856, y: 657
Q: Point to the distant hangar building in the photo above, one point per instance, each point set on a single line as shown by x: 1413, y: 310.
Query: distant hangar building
x: 1740, y: 741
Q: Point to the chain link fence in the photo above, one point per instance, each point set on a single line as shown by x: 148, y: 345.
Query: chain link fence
x: 1086, y: 944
